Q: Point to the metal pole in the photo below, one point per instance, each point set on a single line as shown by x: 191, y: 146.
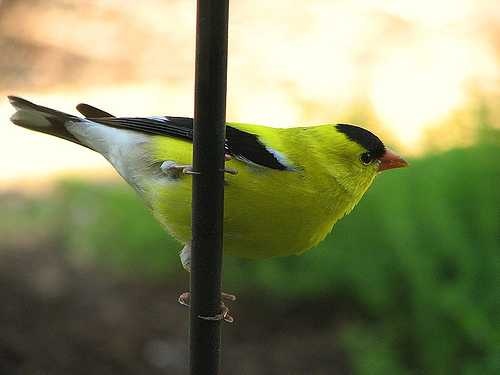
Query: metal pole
x: 208, y: 185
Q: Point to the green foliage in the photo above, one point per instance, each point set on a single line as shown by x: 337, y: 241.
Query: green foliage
x: 110, y: 223
x: 419, y: 259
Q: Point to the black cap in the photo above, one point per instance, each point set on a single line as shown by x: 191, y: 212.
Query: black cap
x: 369, y: 141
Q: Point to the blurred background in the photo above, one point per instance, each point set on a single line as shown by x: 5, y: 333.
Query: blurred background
x: 409, y: 283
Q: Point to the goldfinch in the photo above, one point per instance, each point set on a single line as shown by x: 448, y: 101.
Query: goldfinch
x: 285, y: 188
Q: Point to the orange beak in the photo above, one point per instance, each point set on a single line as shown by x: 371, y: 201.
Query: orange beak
x: 391, y: 160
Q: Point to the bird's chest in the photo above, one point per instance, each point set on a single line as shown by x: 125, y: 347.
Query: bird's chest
x: 266, y: 213
x: 290, y: 216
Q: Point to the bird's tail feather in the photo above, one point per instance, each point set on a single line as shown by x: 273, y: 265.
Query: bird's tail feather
x: 42, y: 119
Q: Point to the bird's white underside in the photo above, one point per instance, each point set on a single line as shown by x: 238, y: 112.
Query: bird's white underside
x: 121, y: 147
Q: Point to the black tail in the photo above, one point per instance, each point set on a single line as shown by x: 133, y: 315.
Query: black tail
x: 42, y: 119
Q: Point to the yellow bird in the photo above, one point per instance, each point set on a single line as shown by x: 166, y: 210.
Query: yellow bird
x: 285, y: 187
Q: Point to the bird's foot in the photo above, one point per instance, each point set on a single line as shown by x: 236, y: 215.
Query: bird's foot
x: 172, y: 169
x: 184, y: 299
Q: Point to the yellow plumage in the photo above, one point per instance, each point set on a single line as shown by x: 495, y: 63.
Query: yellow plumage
x: 270, y: 212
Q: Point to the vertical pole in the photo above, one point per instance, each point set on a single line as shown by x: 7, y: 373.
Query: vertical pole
x: 208, y: 185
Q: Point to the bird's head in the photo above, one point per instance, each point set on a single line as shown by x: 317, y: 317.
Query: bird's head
x: 369, y: 150
x: 362, y: 155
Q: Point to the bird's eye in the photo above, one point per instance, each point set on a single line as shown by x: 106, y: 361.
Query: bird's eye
x: 366, y: 158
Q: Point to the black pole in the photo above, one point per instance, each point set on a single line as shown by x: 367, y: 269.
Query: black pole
x: 208, y: 185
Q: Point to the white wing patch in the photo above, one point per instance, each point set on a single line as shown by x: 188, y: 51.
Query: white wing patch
x: 159, y: 118
x: 281, y: 158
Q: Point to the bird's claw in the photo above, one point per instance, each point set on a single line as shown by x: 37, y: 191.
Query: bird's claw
x: 188, y: 170
x: 223, y: 315
x: 172, y: 169
x: 184, y: 299
x: 227, y: 297
x: 231, y: 171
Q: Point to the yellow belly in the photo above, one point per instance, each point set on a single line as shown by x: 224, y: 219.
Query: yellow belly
x: 266, y: 212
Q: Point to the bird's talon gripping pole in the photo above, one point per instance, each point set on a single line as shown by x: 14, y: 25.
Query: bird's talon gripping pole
x: 171, y: 169
x: 184, y: 299
x: 230, y: 171
x: 189, y: 170
x: 174, y: 170
x: 223, y: 315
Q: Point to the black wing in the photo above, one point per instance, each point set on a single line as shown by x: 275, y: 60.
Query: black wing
x: 240, y: 144
x: 92, y: 112
x: 248, y: 146
x: 181, y: 127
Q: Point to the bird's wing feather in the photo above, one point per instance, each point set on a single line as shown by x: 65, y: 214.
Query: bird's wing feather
x: 240, y: 144
x: 180, y: 127
x: 249, y: 147
x: 92, y: 112
x: 243, y: 145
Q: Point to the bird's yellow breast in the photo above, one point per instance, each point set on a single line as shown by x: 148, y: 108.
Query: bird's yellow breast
x: 267, y: 212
